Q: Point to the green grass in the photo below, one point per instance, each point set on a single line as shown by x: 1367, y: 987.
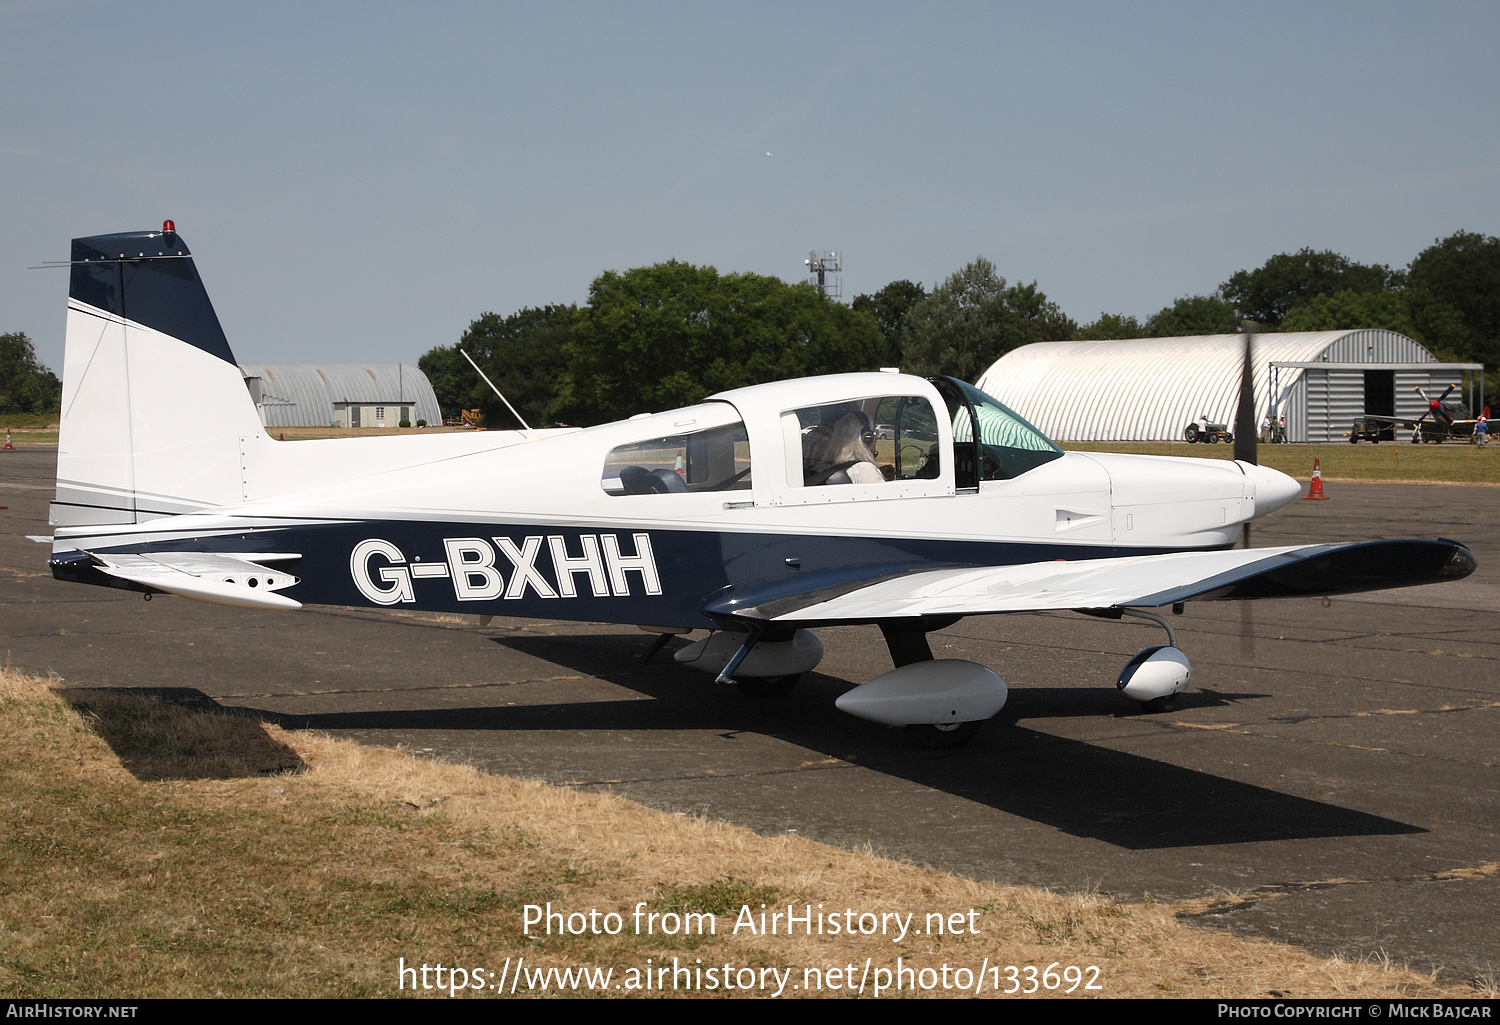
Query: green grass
x: 720, y: 897
x: 1436, y: 464
x: 30, y: 428
x: 28, y: 421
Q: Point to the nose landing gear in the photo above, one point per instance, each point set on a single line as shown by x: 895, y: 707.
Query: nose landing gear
x: 1156, y: 675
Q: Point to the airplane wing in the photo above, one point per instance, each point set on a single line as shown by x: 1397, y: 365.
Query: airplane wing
x: 227, y: 579
x: 1133, y: 581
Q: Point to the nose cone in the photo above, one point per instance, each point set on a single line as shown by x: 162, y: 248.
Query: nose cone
x: 1272, y: 488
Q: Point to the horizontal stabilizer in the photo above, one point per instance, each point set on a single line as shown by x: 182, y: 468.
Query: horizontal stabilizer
x: 1147, y: 581
x: 204, y: 576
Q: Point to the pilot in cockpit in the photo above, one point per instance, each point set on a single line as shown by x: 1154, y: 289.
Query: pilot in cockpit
x: 840, y: 450
x: 853, y: 448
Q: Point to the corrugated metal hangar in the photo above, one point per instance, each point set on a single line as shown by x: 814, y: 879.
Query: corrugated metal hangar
x: 348, y: 395
x: 1150, y: 389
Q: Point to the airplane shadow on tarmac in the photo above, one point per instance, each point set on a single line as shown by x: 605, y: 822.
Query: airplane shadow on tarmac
x: 1088, y: 791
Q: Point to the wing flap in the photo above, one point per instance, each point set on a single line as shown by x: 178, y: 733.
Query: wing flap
x: 221, y: 579
x: 1132, y: 581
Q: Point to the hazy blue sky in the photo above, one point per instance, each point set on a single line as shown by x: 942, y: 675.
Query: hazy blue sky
x: 359, y: 181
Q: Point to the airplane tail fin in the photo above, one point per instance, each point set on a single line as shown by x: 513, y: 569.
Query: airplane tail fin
x: 155, y: 413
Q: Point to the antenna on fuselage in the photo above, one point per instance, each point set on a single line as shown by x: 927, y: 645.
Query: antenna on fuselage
x: 497, y: 391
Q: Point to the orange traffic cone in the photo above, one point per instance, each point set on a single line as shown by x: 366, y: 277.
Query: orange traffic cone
x: 8, y: 446
x: 1315, y: 489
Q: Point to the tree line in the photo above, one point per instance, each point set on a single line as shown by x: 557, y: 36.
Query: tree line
x: 647, y: 339
x: 667, y: 335
x: 1447, y: 298
x: 26, y: 386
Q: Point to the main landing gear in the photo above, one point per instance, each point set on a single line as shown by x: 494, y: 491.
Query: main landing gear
x: 942, y: 736
x: 762, y: 666
x: 940, y: 702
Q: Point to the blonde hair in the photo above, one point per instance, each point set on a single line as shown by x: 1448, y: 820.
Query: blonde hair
x: 848, y: 444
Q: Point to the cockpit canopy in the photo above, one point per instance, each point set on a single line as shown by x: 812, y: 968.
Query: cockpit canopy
x: 834, y: 431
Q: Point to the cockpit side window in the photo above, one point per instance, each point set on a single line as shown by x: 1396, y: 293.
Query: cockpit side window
x: 862, y: 441
x: 714, y: 459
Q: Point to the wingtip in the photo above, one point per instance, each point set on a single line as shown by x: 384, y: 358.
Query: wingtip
x: 1461, y: 563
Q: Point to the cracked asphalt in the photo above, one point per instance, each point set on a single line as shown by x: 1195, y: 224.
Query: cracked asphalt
x: 1330, y: 779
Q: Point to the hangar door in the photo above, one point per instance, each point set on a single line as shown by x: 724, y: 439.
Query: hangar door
x: 1380, y: 392
x: 1334, y: 399
x: 1380, y: 396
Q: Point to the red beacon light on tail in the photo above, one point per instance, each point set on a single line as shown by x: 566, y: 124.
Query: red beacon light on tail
x: 168, y: 228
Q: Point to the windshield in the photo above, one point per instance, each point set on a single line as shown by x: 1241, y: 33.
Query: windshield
x: 1009, y: 446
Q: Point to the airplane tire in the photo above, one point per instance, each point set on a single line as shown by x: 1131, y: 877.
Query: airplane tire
x: 761, y: 687
x: 947, y: 736
x: 1164, y: 704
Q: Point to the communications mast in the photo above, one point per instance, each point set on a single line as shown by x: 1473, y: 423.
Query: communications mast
x: 824, y: 268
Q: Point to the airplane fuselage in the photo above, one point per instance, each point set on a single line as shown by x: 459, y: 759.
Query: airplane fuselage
x: 509, y: 525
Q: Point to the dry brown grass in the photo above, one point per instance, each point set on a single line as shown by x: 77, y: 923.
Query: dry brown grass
x: 155, y: 848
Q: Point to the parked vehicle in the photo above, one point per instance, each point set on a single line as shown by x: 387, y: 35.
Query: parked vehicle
x: 1211, y: 434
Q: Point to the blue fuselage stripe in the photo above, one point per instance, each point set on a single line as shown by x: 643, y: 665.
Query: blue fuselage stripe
x: 593, y: 573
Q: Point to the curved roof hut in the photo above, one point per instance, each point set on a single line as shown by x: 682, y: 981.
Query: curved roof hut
x: 1149, y: 389
x: 327, y: 395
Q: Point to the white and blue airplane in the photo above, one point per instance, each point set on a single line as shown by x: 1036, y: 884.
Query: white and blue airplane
x: 733, y: 515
